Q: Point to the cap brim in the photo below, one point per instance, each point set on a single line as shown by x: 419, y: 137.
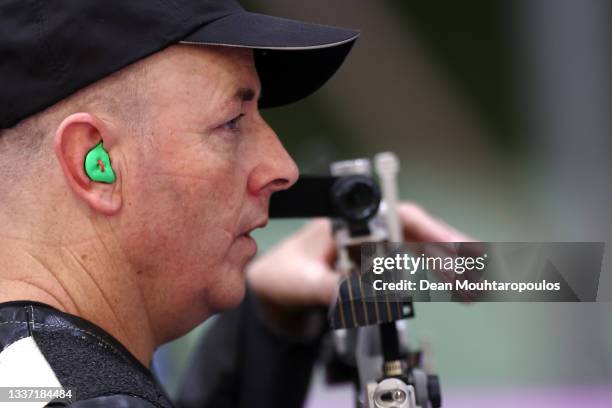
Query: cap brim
x: 293, y: 58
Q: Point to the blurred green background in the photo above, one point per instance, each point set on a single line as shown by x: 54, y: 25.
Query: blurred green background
x: 500, y: 114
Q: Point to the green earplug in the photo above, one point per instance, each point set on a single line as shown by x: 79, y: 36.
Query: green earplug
x: 98, y: 166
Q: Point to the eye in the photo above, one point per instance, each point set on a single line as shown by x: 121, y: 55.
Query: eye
x: 232, y: 125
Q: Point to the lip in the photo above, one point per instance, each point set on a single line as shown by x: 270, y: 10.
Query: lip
x: 247, y: 231
x: 248, y: 243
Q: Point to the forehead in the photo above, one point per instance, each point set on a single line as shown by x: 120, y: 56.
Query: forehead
x: 200, y: 77
x: 198, y: 58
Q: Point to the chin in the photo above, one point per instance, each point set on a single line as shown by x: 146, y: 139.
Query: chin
x: 228, y: 293
x: 215, y: 300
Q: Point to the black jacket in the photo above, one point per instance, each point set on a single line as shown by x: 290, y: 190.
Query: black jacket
x: 240, y: 363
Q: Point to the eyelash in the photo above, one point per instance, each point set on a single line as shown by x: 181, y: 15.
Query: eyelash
x: 232, y: 125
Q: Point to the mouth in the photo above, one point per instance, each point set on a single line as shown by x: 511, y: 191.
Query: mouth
x: 246, y: 241
x: 247, y: 232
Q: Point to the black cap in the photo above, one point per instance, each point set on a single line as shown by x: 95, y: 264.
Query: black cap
x: 50, y: 49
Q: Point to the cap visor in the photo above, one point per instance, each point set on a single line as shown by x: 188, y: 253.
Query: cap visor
x: 293, y: 58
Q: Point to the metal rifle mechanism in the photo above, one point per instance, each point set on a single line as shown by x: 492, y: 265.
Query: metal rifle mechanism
x: 368, y: 345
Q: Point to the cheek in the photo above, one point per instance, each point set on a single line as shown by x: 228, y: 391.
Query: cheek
x: 180, y: 214
x: 183, y: 219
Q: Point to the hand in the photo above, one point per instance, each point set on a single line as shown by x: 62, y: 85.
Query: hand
x: 298, y: 273
x: 420, y: 226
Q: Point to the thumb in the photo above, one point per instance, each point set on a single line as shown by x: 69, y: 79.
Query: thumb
x: 316, y: 241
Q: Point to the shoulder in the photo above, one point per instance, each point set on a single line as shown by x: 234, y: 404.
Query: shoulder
x: 41, y: 346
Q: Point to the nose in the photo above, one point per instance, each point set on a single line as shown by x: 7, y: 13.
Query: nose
x: 275, y: 169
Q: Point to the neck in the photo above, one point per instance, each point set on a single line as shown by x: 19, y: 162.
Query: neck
x: 86, y: 279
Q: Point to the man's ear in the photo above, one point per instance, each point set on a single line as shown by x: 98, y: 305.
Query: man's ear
x: 75, y: 137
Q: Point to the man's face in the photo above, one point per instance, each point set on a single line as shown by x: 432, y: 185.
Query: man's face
x: 199, y: 181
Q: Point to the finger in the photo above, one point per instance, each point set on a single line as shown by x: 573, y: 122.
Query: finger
x: 316, y: 240
x: 420, y: 226
x: 329, y: 287
x: 315, y: 229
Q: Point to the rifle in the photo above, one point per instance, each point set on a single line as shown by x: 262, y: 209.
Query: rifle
x: 368, y: 344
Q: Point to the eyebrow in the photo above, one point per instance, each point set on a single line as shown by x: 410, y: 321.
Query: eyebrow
x: 245, y: 94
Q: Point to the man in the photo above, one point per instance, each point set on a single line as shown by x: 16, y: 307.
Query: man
x: 95, y: 273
